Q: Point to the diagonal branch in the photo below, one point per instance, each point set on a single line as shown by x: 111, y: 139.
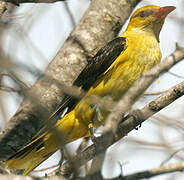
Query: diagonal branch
x: 169, y: 168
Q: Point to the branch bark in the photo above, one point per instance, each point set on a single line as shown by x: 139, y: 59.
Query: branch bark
x: 169, y: 168
x: 101, y: 22
x: 165, y: 169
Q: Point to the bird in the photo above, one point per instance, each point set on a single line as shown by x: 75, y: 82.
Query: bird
x: 109, y: 74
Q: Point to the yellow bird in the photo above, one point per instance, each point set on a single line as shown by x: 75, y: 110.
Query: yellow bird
x: 113, y: 70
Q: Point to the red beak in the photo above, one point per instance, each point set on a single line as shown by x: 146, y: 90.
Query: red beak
x: 164, y: 11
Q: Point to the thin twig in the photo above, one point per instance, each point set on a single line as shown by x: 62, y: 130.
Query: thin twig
x: 175, y: 167
x: 171, y: 156
x: 176, y: 75
x: 70, y: 14
x: 154, y: 93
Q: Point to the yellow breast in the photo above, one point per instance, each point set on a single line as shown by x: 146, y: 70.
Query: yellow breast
x: 141, y: 54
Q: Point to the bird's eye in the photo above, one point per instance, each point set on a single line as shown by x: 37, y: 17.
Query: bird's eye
x: 145, y: 13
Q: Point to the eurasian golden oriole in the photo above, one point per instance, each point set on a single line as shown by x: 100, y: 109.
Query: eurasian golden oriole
x: 113, y: 70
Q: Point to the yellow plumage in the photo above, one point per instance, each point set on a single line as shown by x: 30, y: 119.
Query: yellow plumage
x: 140, y: 54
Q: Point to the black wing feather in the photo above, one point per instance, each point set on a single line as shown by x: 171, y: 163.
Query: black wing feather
x: 100, y: 63
x: 96, y: 66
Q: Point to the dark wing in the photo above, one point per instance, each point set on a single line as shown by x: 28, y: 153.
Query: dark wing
x: 96, y: 66
x: 100, y: 63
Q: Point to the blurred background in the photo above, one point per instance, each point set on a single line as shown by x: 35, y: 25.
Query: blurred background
x: 31, y: 35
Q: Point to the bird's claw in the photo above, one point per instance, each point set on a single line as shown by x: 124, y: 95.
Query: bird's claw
x: 138, y: 126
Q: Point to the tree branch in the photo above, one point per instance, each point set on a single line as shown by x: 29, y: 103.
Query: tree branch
x: 169, y: 168
x: 165, y: 169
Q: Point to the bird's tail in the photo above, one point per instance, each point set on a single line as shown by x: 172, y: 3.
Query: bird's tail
x: 33, y: 154
x: 30, y: 156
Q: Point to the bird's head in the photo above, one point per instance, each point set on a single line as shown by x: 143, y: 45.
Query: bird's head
x: 150, y: 18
